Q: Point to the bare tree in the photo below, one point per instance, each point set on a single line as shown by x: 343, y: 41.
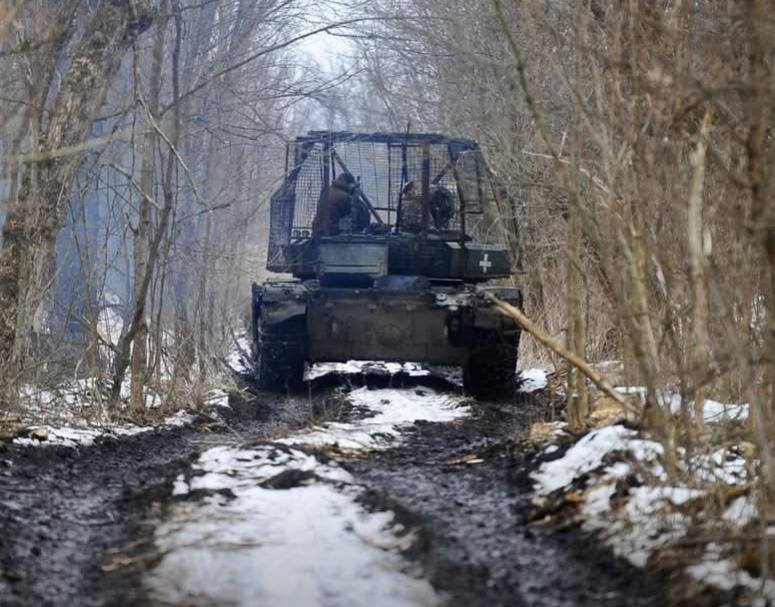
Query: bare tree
x: 35, y: 215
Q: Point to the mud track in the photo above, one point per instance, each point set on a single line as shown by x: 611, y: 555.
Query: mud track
x: 477, y: 546
x: 76, y: 525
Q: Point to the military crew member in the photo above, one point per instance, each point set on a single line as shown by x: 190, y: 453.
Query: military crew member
x: 335, y: 205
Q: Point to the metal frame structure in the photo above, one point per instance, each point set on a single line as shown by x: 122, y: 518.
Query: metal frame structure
x: 384, y: 165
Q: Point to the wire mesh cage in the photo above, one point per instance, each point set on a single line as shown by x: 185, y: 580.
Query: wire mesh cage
x: 410, y: 182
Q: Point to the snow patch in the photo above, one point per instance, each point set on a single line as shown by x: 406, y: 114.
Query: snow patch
x: 741, y: 511
x: 62, y: 402
x: 228, y: 467
x: 83, y: 436
x: 365, y: 367
x: 724, y: 573
x: 637, y: 519
x: 237, y: 359
x: 387, y: 411
x: 179, y: 419
x: 278, y: 526
x: 588, y: 454
x: 713, y: 411
x: 276, y: 550
x: 217, y: 398
x: 275, y: 547
x: 532, y: 380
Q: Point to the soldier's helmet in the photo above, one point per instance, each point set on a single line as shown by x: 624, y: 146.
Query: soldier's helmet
x: 345, y: 179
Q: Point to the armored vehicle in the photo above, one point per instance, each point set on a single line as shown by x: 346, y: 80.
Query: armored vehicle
x: 389, y: 244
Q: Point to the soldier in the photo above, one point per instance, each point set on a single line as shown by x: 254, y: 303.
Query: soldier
x: 442, y: 207
x: 335, y: 204
x: 411, y: 209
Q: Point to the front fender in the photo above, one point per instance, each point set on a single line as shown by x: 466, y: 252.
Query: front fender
x: 280, y: 302
x: 487, y: 316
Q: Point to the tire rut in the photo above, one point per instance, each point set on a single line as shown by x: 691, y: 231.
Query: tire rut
x: 476, y: 545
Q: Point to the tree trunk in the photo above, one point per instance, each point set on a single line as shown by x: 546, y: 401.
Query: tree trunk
x: 35, y: 217
x: 697, y: 263
x: 140, y: 250
x: 122, y: 359
x: 577, y: 396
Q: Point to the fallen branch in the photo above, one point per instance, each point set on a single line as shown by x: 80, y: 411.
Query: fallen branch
x: 555, y: 346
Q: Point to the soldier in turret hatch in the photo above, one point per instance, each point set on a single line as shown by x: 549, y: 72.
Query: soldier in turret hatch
x: 335, y: 204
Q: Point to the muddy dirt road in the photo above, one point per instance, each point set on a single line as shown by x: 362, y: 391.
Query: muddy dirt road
x: 413, y: 496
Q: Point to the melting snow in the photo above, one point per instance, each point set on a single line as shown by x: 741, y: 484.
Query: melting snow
x: 724, y: 573
x: 532, y: 380
x: 713, y: 411
x: 587, y: 455
x: 60, y: 403
x: 82, y: 436
x: 236, y: 359
x: 644, y: 523
x: 388, y: 410
x: 68, y: 436
x: 741, y: 511
x: 309, y: 545
x: 308, y: 542
x: 375, y: 367
x: 716, y: 412
x: 647, y: 517
x: 217, y: 398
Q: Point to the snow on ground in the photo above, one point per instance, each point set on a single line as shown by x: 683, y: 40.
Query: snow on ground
x: 588, y: 454
x: 76, y: 413
x: 73, y: 399
x: 227, y: 467
x: 717, y: 569
x: 275, y: 515
x: 217, y: 398
x: 274, y: 548
x: 238, y: 358
x: 616, y: 480
x: 358, y: 367
x: 713, y: 411
x: 387, y: 411
x: 84, y: 435
x: 532, y: 380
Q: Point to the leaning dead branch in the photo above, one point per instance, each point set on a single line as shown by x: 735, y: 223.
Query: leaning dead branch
x: 557, y: 348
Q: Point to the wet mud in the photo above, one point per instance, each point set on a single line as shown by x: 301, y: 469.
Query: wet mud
x: 464, y: 486
x: 77, y: 524
x: 65, y: 510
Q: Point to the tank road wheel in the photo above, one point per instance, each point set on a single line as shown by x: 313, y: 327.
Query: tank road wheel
x: 492, y: 364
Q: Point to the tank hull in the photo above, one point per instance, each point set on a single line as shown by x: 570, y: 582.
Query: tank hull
x: 438, y: 325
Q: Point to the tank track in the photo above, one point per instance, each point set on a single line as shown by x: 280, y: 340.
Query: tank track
x: 280, y: 355
x: 492, y: 365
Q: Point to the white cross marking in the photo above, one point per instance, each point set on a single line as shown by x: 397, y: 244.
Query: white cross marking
x: 486, y: 264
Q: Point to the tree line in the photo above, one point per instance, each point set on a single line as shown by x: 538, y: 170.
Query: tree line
x: 140, y: 139
x: 636, y: 142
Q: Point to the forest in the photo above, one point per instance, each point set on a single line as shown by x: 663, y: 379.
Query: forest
x: 632, y: 142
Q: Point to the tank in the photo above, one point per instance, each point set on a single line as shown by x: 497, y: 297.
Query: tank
x: 386, y: 246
